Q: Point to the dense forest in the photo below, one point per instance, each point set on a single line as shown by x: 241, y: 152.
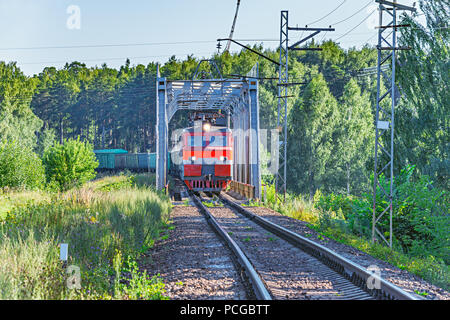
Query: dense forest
x: 331, y: 134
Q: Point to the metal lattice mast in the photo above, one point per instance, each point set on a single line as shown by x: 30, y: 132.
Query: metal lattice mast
x: 283, y: 85
x: 280, y: 183
x: 384, y: 117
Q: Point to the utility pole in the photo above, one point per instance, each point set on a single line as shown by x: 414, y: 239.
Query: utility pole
x: 283, y: 85
x: 227, y: 48
x: 384, y: 118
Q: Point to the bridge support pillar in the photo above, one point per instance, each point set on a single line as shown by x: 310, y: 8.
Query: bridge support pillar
x: 254, y: 144
x: 161, y: 133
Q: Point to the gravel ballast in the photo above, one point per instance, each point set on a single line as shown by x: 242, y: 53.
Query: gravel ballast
x: 193, y: 261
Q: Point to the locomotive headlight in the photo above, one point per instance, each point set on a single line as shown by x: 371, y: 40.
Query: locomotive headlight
x: 206, y: 126
x: 193, y: 158
x: 222, y: 158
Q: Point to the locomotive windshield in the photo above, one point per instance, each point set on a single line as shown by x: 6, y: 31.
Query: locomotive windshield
x: 196, y: 141
x: 217, y: 141
x: 207, y: 141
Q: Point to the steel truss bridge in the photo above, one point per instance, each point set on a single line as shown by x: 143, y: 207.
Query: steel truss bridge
x: 238, y: 98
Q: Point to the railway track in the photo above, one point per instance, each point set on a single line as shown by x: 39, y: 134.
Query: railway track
x: 279, y: 264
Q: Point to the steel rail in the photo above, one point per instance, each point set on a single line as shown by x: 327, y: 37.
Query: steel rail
x: 257, y: 284
x: 352, y: 271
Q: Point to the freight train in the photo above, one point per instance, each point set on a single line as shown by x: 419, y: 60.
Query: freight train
x: 203, y: 159
x: 119, y: 159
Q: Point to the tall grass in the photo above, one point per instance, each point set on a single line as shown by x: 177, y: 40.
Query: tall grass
x: 97, y: 225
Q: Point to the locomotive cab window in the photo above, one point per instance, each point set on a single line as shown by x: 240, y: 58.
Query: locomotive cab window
x: 217, y: 141
x: 196, y: 141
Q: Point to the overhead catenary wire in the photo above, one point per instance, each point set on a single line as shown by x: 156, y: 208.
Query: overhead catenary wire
x: 328, y: 13
x: 83, y: 46
x: 349, y: 17
x: 115, y: 58
x: 355, y: 26
x: 106, y: 45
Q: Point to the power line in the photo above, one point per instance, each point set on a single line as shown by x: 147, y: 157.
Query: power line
x: 355, y: 26
x: 107, y: 45
x: 367, y: 41
x: 107, y: 59
x: 123, y: 45
x: 250, y: 40
x: 328, y: 13
x: 365, y: 6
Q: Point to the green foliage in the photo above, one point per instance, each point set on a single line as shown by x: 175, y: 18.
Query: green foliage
x: 106, y: 231
x: 115, y: 183
x: 423, y: 122
x: 355, y: 140
x: 143, y: 287
x: 17, y: 121
x: 137, y: 285
x: 420, y: 215
x: 70, y: 164
x: 334, y: 202
x: 47, y: 138
x: 20, y: 167
x: 313, y: 123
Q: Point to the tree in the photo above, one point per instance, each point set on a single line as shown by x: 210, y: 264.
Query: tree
x: 356, y: 137
x: 46, y: 139
x: 17, y: 120
x: 312, y: 134
x: 70, y: 164
x: 20, y: 167
x: 424, y: 76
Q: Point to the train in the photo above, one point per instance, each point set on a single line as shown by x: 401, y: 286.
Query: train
x: 120, y: 159
x: 203, y: 158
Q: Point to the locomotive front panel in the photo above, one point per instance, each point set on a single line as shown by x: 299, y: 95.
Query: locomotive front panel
x: 207, y: 158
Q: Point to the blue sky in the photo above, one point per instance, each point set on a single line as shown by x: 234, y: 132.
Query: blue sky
x: 195, y: 24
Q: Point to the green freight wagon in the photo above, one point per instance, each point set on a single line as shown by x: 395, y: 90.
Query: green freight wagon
x: 144, y: 161
x: 127, y: 161
x: 106, y: 157
x: 147, y: 161
x: 120, y: 159
x: 131, y: 161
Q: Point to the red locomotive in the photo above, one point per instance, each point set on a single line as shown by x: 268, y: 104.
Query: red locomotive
x: 205, y: 158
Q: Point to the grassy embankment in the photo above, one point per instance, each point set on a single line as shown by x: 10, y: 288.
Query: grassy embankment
x: 334, y: 225
x: 107, y: 224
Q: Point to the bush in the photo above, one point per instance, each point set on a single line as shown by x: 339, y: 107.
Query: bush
x: 20, y: 167
x: 70, y: 164
x: 334, y: 202
x: 420, y: 214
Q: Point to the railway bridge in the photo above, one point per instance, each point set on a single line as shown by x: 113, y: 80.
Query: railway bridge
x: 237, y: 97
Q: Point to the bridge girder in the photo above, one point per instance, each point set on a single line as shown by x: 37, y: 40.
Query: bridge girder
x: 237, y: 97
